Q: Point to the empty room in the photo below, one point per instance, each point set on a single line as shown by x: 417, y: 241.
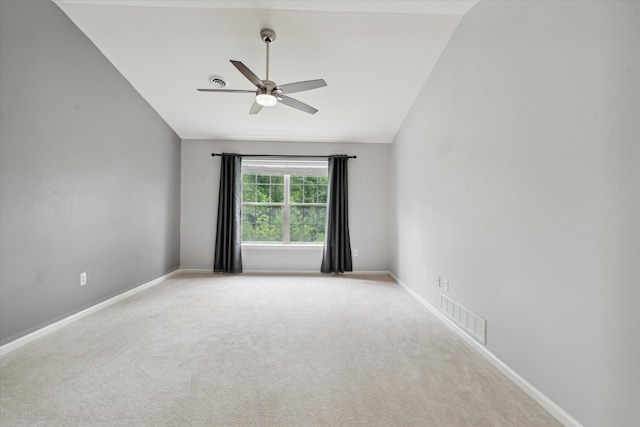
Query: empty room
x: 306, y: 213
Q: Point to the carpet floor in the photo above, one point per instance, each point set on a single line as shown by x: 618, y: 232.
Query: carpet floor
x: 260, y: 350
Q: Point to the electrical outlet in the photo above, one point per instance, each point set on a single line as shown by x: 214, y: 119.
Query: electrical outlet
x: 355, y: 252
x: 446, y: 285
x: 83, y: 278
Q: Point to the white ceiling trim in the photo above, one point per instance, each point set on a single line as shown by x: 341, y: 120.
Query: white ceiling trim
x: 421, y: 7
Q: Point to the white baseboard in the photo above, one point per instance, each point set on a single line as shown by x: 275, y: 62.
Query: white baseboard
x: 556, y: 411
x: 284, y: 272
x: 317, y: 273
x: 210, y: 271
x: 16, y: 344
x: 369, y: 273
x: 195, y: 270
x: 305, y: 272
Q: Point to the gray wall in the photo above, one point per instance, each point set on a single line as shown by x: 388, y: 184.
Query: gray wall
x: 516, y: 176
x: 368, y: 205
x: 90, y: 174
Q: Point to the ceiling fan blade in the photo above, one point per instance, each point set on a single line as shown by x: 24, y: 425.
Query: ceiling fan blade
x: 248, y: 74
x: 227, y: 90
x: 255, y: 108
x: 302, y: 86
x: 294, y: 103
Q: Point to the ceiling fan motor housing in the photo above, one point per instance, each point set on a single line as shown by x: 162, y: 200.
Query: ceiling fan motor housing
x: 270, y: 88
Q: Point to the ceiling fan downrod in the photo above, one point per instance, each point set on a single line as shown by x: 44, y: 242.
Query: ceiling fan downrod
x: 268, y: 36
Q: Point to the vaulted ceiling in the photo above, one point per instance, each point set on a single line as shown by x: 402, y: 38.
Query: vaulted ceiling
x: 375, y: 56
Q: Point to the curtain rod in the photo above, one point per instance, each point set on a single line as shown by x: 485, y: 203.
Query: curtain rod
x: 285, y: 155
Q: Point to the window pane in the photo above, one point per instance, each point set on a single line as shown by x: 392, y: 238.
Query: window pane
x: 296, y: 193
x: 248, y: 192
x: 248, y: 223
x: 310, y: 193
x: 263, y: 193
x: 262, y: 223
x: 322, y: 195
x: 307, y: 223
x: 266, y: 223
x: 312, y: 190
x: 323, y: 186
x: 262, y: 188
x: 277, y: 193
x: 322, y: 215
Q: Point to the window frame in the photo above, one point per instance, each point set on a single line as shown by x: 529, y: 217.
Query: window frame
x: 286, y: 204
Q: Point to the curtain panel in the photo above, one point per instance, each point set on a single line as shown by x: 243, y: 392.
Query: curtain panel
x: 228, y: 250
x: 336, y: 256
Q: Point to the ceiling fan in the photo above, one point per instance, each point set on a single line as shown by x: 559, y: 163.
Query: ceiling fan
x: 268, y: 93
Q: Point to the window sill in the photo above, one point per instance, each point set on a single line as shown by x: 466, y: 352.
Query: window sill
x: 285, y: 246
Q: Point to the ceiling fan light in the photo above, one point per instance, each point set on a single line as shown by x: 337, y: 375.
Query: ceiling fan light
x: 266, y: 100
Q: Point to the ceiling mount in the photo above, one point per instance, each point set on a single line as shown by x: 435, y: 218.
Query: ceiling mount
x: 268, y: 35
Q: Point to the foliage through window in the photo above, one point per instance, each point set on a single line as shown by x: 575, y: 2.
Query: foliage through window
x: 284, y: 201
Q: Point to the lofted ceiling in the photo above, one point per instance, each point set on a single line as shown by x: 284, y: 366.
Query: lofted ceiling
x: 374, y: 55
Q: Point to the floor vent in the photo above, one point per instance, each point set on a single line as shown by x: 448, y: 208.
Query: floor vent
x: 467, y: 320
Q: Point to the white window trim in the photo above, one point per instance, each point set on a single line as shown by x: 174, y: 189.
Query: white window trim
x: 285, y: 168
x: 279, y: 246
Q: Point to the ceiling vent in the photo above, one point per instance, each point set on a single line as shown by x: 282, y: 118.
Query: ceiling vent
x: 217, y: 81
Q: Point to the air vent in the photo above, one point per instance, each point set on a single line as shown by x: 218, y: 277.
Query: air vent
x: 473, y: 324
x: 217, y: 82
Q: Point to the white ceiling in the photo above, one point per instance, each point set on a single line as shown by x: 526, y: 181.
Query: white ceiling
x: 374, y: 55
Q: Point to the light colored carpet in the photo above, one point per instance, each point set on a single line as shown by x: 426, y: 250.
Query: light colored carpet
x: 243, y: 350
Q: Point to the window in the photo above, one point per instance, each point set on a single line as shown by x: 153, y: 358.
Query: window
x: 284, y: 201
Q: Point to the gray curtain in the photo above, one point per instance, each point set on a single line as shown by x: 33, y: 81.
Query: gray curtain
x: 336, y: 256
x: 228, y: 254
